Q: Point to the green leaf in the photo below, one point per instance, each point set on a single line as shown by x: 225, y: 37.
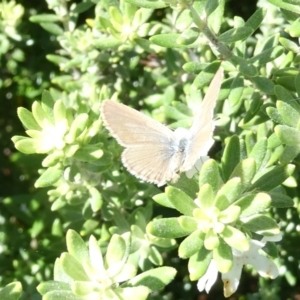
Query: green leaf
x: 274, y: 114
x: 274, y: 157
x: 215, y: 18
x: 235, y: 238
x: 181, y: 108
x: 83, y: 288
x: 76, y: 246
x: 167, y: 228
x: 222, y: 256
x: 285, y: 5
x: 49, y: 286
x: 34, y: 134
x: 256, y: 19
x: 191, y: 244
x: 211, y: 240
x: 210, y: 6
x: 154, y: 254
x: 297, y: 83
x: 11, y: 291
x: 206, y: 196
x: 148, y: 3
x: 58, y: 204
x: 49, y: 177
x: 91, y: 153
x: 235, y: 34
x: 25, y: 145
x: 199, y: 263
x: 273, y: 178
x: 267, y: 55
x: 283, y: 94
x: 77, y: 127
x: 169, y: 40
x: 210, y: 174
x: 253, y: 203
x: 264, y: 84
x: 290, y: 16
x: 259, y: 152
x: 116, y: 18
x: 288, y: 135
x: 70, y: 150
x: 57, y: 59
x: 52, y: 28
x: 59, y: 274
x: 40, y: 115
x: 59, y: 111
x: 231, y: 156
x: 289, y: 153
x: 138, y: 292
x: 287, y: 82
x: 188, y: 186
x: 261, y: 224
x: 245, y: 170
x: 225, y: 90
x: 27, y: 119
x: 47, y: 103
x: 244, y: 66
x: 140, y: 16
x: 188, y: 36
x: 288, y: 71
x: 289, y: 114
x: 188, y: 223
x: 288, y: 45
x: 155, y: 279
x: 41, y: 18
x: 181, y: 201
x: 162, y: 199
x: 194, y: 67
x: 82, y: 7
x: 107, y: 42
x: 271, y: 249
x: 230, y: 214
x: 205, y: 77
x: 236, y: 91
x: 229, y: 191
x: 95, y: 199
x: 281, y: 200
x: 72, y: 267
x: 66, y: 295
x: 174, y: 112
x: 116, y: 250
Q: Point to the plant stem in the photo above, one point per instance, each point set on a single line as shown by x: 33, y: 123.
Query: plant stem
x: 213, y: 39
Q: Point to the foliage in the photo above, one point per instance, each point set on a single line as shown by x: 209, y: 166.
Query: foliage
x: 66, y: 178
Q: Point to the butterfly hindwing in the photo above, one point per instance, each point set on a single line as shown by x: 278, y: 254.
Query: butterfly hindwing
x: 152, y: 164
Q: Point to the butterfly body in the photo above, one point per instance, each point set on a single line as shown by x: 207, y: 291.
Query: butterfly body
x: 153, y: 152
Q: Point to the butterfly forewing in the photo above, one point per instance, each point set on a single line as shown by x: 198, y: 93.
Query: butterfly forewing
x: 131, y: 127
x: 203, y: 124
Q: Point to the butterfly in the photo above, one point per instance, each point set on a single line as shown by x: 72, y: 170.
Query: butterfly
x: 153, y: 152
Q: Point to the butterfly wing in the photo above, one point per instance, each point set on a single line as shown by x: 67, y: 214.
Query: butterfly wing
x: 130, y: 127
x: 202, y: 128
x: 150, y: 146
x: 150, y: 164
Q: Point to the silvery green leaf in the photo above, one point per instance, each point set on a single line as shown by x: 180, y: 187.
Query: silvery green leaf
x: 167, y: 228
